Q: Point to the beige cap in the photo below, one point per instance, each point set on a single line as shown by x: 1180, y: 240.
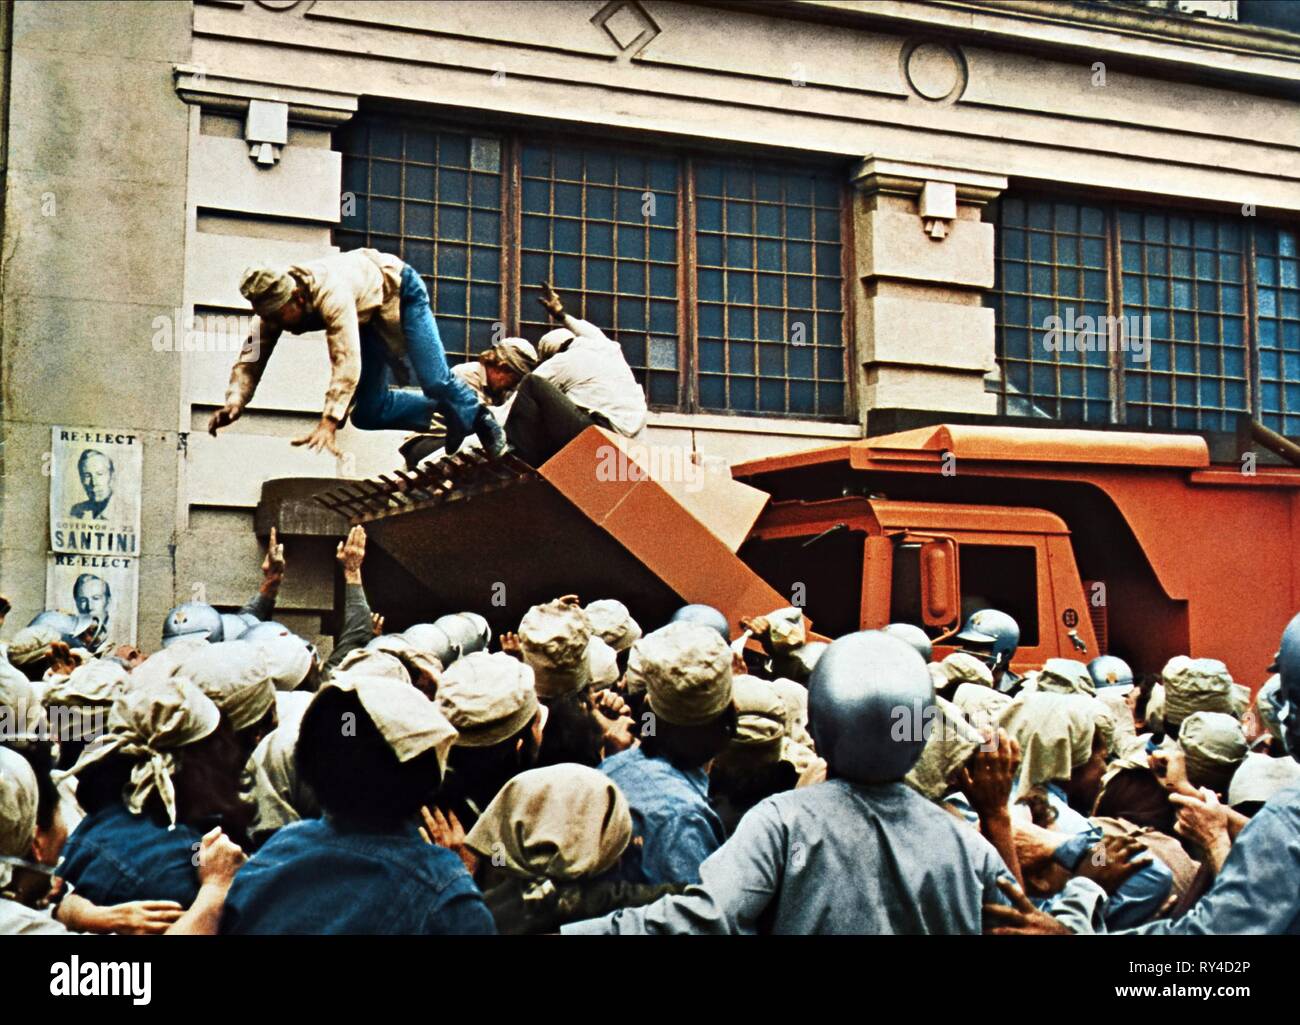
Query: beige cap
x: 288, y: 659
x: 488, y: 698
x: 266, y: 288
x: 602, y: 663
x: 963, y: 667
x: 516, y: 353
x: 1197, y: 685
x: 785, y: 629
x: 97, y: 682
x: 236, y: 676
x: 410, y: 723
x: 611, y: 621
x: 1215, y: 745
x: 981, y: 705
x: 1259, y: 777
x: 687, y: 671
x: 1155, y: 717
x: 554, y: 639
x: 1120, y: 713
x: 553, y: 341
x: 795, y: 698
x: 18, y: 799
x: 21, y: 715
x: 370, y: 662
x: 1066, y: 676
x: 32, y: 643
x: 760, y: 715
x: 416, y: 659
x: 633, y: 674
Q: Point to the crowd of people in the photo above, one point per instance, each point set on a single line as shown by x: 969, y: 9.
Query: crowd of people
x: 586, y: 774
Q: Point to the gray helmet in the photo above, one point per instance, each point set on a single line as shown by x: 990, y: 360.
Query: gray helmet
x: 71, y: 628
x: 433, y: 640
x: 1111, y: 671
x: 467, y: 631
x: 264, y: 629
x: 993, y: 629
x: 855, y: 696
x: 192, y: 619
x: 704, y: 615
x: 914, y: 636
x: 1288, y: 666
x: 233, y: 624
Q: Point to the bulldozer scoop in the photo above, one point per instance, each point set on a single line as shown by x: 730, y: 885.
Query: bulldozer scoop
x: 604, y: 518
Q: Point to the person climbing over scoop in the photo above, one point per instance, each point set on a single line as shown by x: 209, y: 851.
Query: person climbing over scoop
x: 374, y: 310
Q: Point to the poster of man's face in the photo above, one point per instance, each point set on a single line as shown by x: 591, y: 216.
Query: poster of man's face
x: 95, y: 480
x: 93, y: 597
x: 96, y: 473
x: 100, y: 586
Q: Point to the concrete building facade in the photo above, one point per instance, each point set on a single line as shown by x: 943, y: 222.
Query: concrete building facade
x: 802, y: 220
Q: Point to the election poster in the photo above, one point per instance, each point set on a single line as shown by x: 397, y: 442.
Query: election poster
x: 95, y: 485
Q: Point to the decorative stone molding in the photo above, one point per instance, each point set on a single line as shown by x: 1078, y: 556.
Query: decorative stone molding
x: 319, y: 107
x: 627, y: 24
x: 908, y: 178
x: 934, y: 71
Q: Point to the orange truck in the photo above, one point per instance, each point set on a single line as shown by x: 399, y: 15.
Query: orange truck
x: 1095, y: 541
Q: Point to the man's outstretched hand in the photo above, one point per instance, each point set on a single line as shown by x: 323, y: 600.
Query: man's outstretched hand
x: 1021, y: 918
x: 550, y: 301
x: 351, y: 554
x: 323, y: 436
x: 223, y: 417
x: 273, y: 564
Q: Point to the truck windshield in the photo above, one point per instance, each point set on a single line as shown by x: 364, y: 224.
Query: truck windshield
x: 824, y: 578
x: 1002, y: 577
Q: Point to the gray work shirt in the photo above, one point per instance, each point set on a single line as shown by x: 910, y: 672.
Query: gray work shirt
x: 837, y: 857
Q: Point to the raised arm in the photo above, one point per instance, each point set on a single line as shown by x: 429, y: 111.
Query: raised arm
x: 246, y: 374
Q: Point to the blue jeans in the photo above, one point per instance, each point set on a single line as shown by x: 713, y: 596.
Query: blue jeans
x: 382, y: 407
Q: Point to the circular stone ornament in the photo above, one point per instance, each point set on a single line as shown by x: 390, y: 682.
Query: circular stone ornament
x: 935, y: 71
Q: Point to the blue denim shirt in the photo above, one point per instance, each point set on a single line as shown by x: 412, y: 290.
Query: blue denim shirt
x: 670, y: 813
x: 313, y: 877
x: 114, y: 856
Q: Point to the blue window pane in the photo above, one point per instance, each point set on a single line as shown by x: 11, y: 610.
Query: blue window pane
x: 631, y: 241
x: 419, y: 182
x: 740, y: 218
x: 767, y: 220
x: 740, y: 288
x: 600, y: 275
x: 771, y: 396
x: 771, y: 325
x: 663, y: 316
x: 708, y: 249
x: 663, y: 280
x: 453, y: 223
x: 802, y: 397
x: 600, y: 168
x: 713, y: 356
x: 568, y: 236
x: 600, y: 203
x: 630, y: 206
x: 798, y: 257
x: 799, y: 292
x: 741, y: 358
x: 740, y: 322
x: 630, y: 314
x: 743, y: 396
x: 485, y: 263
x: 769, y: 255
x: 568, y: 271
x: 709, y: 285
x: 631, y: 278
x: 600, y: 239
x: 663, y: 245
x: 708, y: 179
x: 740, y: 252
x: 713, y: 392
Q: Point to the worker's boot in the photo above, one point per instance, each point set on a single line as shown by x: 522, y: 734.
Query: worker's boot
x: 490, y: 433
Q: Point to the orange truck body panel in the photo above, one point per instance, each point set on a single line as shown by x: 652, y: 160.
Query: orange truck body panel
x: 1220, y: 544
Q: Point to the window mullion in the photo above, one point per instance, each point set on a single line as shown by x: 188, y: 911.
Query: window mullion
x: 687, y: 320
x: 1115, y: 308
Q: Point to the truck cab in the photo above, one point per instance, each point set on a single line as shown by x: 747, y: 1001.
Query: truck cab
x: 859, y: 563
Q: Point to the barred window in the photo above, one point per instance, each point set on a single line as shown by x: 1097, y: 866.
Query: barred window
x: 1166, y: 296
x: 1278, y: 311
x: 1184, y: 275
x: 769, y: 281
x: 1053, y: 265
x: 435, y: 199
x: 604, y: 226
x: 721, y: 280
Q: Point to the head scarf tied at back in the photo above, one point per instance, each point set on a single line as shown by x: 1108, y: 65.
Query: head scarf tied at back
x: 96, y: 683
x: 409, y: 722
x: 1215, y: 745
x: 563, y: 822
x: 950, y: 743
x: 1056, y: 734
x: 149, y: 723
x: 236, y: 676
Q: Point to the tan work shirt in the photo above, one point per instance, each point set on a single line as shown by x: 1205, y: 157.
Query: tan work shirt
x: 344, y: 290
